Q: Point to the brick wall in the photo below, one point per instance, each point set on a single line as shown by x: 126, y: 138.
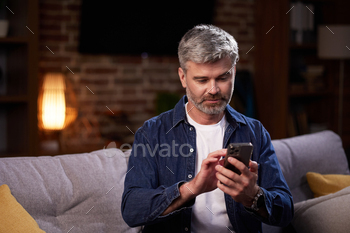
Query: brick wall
x: 127, y: 85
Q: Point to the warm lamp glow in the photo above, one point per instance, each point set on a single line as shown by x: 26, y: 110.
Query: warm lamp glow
x: 54, y: 103
x: 54, y: 112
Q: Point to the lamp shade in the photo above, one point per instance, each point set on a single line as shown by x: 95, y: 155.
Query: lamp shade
x: 332, y: 41
x: 56, y: 103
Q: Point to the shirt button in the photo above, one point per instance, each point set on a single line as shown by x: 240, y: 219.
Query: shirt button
x: 191, y: 128
x: 191, y: 150
x: 189, y: 176
x: 186, y: 229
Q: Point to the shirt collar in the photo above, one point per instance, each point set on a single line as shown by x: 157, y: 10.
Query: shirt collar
x: 232, y: 116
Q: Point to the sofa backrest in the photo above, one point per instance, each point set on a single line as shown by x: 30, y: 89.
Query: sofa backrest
x: 81, y: 192
x: 84, y: 190
x: 319, y: 152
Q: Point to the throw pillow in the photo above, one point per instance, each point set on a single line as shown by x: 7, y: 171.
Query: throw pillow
x: 13, y: 217
x: 322, y: 185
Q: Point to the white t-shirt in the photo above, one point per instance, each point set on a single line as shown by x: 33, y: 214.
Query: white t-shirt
x: 209, y: 211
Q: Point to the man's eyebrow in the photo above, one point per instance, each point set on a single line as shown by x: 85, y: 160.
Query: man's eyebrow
x: 200, y: 77
x: 226, y: 72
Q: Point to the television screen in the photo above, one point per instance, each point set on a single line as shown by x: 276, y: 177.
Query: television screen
x: 136, y: 27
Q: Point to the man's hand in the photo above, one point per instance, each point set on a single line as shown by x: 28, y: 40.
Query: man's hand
x: 242, y: 188
x: 206, y: 180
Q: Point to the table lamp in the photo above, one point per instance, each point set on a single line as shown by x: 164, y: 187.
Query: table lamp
x: 56, y: 107
x: 334, y: 43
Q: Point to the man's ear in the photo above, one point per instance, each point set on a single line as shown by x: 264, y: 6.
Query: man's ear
x: 182, y: 77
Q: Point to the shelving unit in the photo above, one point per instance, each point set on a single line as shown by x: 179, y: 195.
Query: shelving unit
x: 286, y: 104
x: 19, y: 80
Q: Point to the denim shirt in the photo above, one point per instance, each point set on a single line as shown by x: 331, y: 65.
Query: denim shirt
x: 163, y: 157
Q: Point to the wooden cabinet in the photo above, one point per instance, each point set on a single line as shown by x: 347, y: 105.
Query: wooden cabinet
x: 288, y: 103
x: 19, y: 79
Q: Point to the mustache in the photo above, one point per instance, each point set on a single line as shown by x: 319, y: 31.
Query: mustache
x: 213, y: 97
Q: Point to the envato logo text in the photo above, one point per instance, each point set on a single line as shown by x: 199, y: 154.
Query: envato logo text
x: 163, y: 150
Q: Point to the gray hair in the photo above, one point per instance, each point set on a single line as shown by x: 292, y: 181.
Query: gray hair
x: 207, y: 44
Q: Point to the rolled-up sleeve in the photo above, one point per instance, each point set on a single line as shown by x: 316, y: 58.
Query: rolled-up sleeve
x: 144, y: 200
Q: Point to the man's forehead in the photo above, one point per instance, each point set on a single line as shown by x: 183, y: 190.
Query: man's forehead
x: 222, y: 64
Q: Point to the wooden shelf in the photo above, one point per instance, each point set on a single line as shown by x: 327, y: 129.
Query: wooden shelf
x: 303, y: 46
x: 19, y: 81
x: 281, y: 63
x: 12, y: 154
x: 14, y: 40
x: 309, y: 93
x: 14, y: 99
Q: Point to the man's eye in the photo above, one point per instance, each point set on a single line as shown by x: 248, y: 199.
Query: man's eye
x: 201, y: 80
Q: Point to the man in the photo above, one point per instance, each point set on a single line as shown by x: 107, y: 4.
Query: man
x: 188, y: 190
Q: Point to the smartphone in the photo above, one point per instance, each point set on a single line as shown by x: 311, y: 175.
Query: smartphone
x: 240, y: 151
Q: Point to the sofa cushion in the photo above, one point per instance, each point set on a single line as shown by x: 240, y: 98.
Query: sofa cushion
x: 80, y: 192
x: 324, y: 214
x: 13, y: 217
x: 322, y: 185
x: 319, y: 152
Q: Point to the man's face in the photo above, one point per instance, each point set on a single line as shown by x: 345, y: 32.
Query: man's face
x: 209, y: 86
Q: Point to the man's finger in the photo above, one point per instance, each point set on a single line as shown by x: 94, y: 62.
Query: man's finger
x: 225, y: 180
x: 253, y: 166
x: 227, y: 173
x: 207, y: 161
x: 238, y: 164
x: 218, y: 153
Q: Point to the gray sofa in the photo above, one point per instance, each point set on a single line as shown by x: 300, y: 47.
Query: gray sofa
x: 322, y: 153
x: 82, y: 192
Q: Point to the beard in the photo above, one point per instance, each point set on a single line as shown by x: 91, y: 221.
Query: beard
x: 210, y: 108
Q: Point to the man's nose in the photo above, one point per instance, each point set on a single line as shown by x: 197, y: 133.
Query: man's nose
x: 213, y: 88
